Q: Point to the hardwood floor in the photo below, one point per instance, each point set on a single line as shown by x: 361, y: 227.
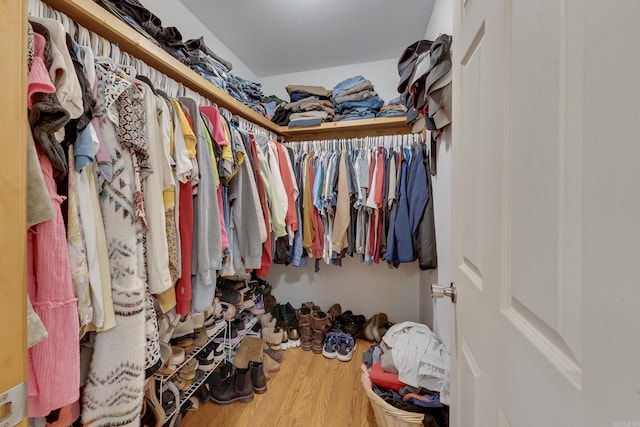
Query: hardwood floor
x: 309, y: 390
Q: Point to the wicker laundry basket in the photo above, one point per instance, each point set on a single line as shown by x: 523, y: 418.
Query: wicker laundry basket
x: 388, y: 415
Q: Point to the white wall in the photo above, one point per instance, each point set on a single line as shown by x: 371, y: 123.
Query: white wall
x: 383, y: 74
x: 362, y: 288
x: 437, y: 313
x: 172, y: 13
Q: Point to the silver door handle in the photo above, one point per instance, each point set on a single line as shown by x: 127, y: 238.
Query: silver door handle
x: 441, y: 292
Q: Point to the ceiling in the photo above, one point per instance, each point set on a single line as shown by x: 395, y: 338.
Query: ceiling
x: 283, y: 36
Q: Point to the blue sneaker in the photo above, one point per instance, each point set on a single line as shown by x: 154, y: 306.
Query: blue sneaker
x: 345, y: 347
x: 330, y: 347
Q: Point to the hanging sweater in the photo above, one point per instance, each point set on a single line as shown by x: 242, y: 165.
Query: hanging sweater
x: 115, y: 385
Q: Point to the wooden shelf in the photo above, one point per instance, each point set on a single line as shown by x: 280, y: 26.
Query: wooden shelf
x: 349, y: 129
x: 93, y: 17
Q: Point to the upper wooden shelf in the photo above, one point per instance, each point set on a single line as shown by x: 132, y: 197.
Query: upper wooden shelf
x: 349, y: 129
x: 93, y: 17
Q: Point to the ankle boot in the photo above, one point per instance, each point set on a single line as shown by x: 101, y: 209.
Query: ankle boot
x: 318, y: 325
x: 269, y: 364
x: 257, y: 377
x: 239, y: 388
x: 274, y: 354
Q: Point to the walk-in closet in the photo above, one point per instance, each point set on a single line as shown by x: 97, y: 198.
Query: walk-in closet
x: 305, y: 213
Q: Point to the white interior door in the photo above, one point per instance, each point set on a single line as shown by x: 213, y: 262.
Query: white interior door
x: 546, y: 213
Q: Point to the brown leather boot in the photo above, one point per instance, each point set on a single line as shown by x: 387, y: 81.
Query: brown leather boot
x: 257, y: 377
x: 319, y: 327
x: 236, y: 389
x: 304, y: 327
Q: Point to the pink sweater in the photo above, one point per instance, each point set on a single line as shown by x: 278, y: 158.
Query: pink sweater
x: 54, y: 363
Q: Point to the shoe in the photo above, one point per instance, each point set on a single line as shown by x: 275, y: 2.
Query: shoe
x: 258, y: 308
x: 238, y: 388
x: 304, y: 327
x: 274, y: 354
x: 378, y: 330
x: 294, y: 337
x: 202, y: 393
x: 270, y: 364
x: 270, y: 301
x: 353, y: 324
x: 184, y: 327
x: 330, y: 347
x: 268, y: 321
x: 250, y: 349
x: 334, y: 311
x: 231, y: 296
x: 206, y: 360
x: 273, y: 337
x: 155, y: 415
x: 230, y: 339
x: 188, y: 371
x: 311, y: 306
x: 201, y: 338
x: 212, y: 325
x: 240, y: 325
x: 369, y: 326
x: 285, y: 339
x: 318, y: 327
x: 346, y: 347
x: 257, y: 377
x: 228, y: 310
x: 198, y: 320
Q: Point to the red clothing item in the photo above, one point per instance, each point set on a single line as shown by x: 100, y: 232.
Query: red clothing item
x: 316, y: 220
x: 381, y: 378
x: 291, y: 217
x: 213, y: 115
x: 265, y: 264
x: 185, y: 226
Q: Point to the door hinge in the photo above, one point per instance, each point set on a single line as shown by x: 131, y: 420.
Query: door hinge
x: 13, y: 405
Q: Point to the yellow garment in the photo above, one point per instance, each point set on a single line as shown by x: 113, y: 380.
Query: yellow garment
x: 189, y: 137
x: 167, y: 299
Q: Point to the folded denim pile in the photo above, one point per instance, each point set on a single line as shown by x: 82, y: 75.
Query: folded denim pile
x: 309, y: 106
x: 393, y: 108
x: 193, y: 53
x: 355, y: 98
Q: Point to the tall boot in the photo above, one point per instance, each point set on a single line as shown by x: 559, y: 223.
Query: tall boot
x: 319, y: 327
x: 304, y: 328
x: 236, y: 389
x: 257, y: 377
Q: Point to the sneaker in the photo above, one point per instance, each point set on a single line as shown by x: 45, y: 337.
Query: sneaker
x: 184, y: 327
x: 346, y: 347
x: 294, y: 337
x: 330, y: 348
x: 285, y: 339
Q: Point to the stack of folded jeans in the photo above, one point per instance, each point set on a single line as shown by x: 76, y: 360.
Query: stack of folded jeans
x: 310, y: 111
x: 299, y: 92
x: 394, y: 108
x: 355, y: 98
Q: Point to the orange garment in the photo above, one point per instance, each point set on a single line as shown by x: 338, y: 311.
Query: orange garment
x: 307, y: 226
x: 291, y: 218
